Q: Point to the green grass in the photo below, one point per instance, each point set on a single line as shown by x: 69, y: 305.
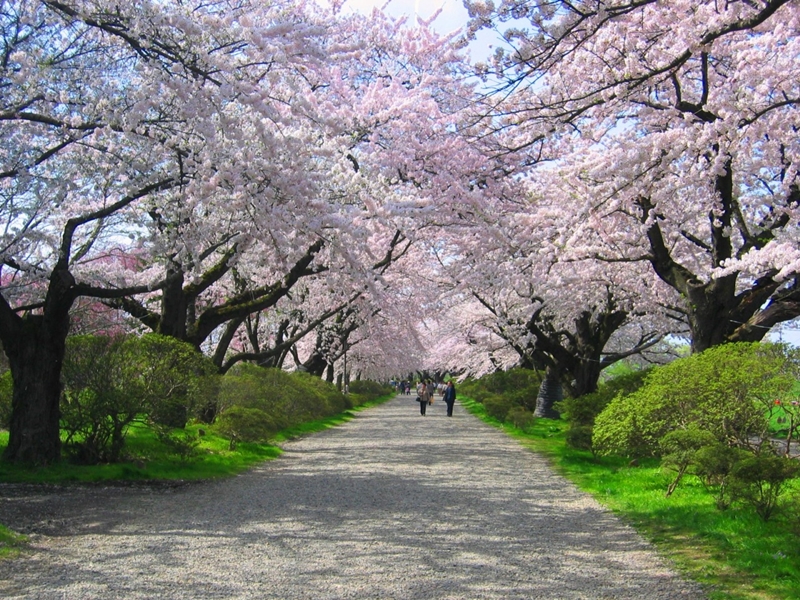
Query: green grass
x: 11, y: 544
x: 147, y: 459
x: 734, y: 554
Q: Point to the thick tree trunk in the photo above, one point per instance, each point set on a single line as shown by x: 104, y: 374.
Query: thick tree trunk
x: 316, y: 364
x: 174, y: 306
x: 36, y: 357
x: 550, y: 392
x: 586, y: 375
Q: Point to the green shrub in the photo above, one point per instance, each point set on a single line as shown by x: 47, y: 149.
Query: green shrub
x: 519, y: 386
x: 109, y: 382
x: 713, y: 464
x: 513, y: 381
x: 239, y: 423
x: 96, y: 405
x: 172, y: 378
x: 580, y: 437
x: 363, y: 390
x: 678, y: 451
x: 584, y: 409
x: 727, y: 390
x: 497, y: 406
x: 183, y: 444
x: 760, y: 480
x: 581, y: 412
x: 520, y: 417
x: 287, y: 398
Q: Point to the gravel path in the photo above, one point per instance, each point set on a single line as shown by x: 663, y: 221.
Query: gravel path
x: 391, y: 505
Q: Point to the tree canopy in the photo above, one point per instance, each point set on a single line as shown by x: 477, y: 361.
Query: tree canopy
x: 289, y: 184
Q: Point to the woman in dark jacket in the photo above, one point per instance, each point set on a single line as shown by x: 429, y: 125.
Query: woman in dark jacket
x: 449, y: 397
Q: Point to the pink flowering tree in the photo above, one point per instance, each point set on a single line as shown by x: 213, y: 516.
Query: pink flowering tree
x: 671, y: 128
x: 234, y: 148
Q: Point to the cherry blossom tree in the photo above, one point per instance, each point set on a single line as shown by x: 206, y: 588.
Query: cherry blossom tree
x: 672, y: 128
x: 227, y: 149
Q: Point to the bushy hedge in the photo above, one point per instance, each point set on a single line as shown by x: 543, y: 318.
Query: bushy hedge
x: 110, y: 381
x: 727, y: 390
x: 281, y: 400
x: 362, y: 391
x: 508, y: 396
x: 288, y: 398
x: 581, y: 412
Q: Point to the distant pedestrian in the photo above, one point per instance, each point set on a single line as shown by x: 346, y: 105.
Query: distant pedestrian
x: 449, y: 397
x: 424, y: 399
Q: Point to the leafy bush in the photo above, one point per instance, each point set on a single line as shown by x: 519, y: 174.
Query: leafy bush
x: 760, y: 480
x: 519, y: 386
x: 108, y: 382
x: 678, y: 451
x: 287, y: 398
x: 96, y: 405
x: 581, y: 412
x: 497, y: 406
x: 171, y: 377
x: 364, y: 390
x: 520, y: 417
x: 580, y: 437
x: 239, y: 423
x: 713, y: 464
x: 726, y: 390
x: 183, y: 444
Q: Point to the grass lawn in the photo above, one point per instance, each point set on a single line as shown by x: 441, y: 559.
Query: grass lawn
x: 733, y: 553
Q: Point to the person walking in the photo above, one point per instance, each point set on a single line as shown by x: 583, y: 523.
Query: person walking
x: 424, y: 399
x: 449, y: 397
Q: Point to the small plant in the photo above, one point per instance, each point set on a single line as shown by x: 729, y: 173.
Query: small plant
x: 678, y: 451
x: 497, y: 406
x: 240, y: 423
x: 183, y: 444
x: 713, y: 464
x: 582, y: 411
x: 760, y: 480
x: 97, y: 406
x: 520, y: 418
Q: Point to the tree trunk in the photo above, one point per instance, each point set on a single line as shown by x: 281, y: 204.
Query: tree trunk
x: 550, y: 392
x: 316, y: 364
x: 586, y: 376
x: 174, y: 306
x: 36, y: 358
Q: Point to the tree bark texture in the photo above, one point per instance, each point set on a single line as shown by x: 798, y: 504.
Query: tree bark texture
x: 550, y: 392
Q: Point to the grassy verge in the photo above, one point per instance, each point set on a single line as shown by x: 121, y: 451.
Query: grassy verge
x: 11, y: 544
x: 733, y: 553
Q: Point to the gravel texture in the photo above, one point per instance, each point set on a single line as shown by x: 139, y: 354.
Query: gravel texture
x: 391, y: 505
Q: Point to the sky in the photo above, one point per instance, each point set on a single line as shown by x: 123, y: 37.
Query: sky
x: 453, y: 16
